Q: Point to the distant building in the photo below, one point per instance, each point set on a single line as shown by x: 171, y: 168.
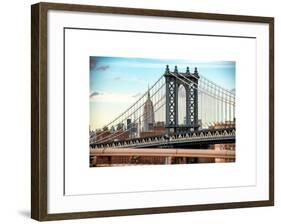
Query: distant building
x: 108, y: 136
x: 129, y: 122
x: 112, y: 129
x: 92, y: 136
x: 102, y: 134
x: 226, y: 124
x: 120, y: 126
x: 132, y: 128
x: 148, y: 114
x: 160, y: 124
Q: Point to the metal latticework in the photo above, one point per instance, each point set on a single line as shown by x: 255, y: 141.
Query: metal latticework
x: 192, y: 103
x: 171, y: 101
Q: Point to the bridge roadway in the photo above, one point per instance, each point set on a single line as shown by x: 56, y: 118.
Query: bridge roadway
x: 198, y: 153
x: 191, y: 139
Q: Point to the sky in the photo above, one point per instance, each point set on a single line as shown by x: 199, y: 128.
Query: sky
x: 116, y: 83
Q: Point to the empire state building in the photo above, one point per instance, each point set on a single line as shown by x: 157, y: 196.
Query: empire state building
x: 148, y: 114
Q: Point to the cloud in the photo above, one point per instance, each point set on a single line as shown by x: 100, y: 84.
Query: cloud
x: 95, y: 94
x: 93, y: 63
x: 137, y: 95
x: 130, y: 79
x: 102, y: 68
x: 110, y: 97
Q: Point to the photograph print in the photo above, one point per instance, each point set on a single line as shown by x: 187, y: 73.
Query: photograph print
x: 146, y: 111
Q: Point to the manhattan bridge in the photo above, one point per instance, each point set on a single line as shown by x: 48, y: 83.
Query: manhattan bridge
x: 181, y: 110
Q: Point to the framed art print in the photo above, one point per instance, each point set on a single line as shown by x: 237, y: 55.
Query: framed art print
x: 140, y: 111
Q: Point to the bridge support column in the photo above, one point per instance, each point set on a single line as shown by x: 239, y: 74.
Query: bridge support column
x: 168, y: 160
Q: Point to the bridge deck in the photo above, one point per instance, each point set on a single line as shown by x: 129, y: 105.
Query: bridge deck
x: 206, y: 153
x: 205, y: 136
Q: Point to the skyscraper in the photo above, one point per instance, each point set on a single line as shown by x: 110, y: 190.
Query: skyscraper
x: 148, y: 114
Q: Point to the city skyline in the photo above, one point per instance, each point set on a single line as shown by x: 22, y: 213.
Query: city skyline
x: 115, y: 83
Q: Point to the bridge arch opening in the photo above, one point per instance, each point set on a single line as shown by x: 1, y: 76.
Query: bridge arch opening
x: 181, y: 105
